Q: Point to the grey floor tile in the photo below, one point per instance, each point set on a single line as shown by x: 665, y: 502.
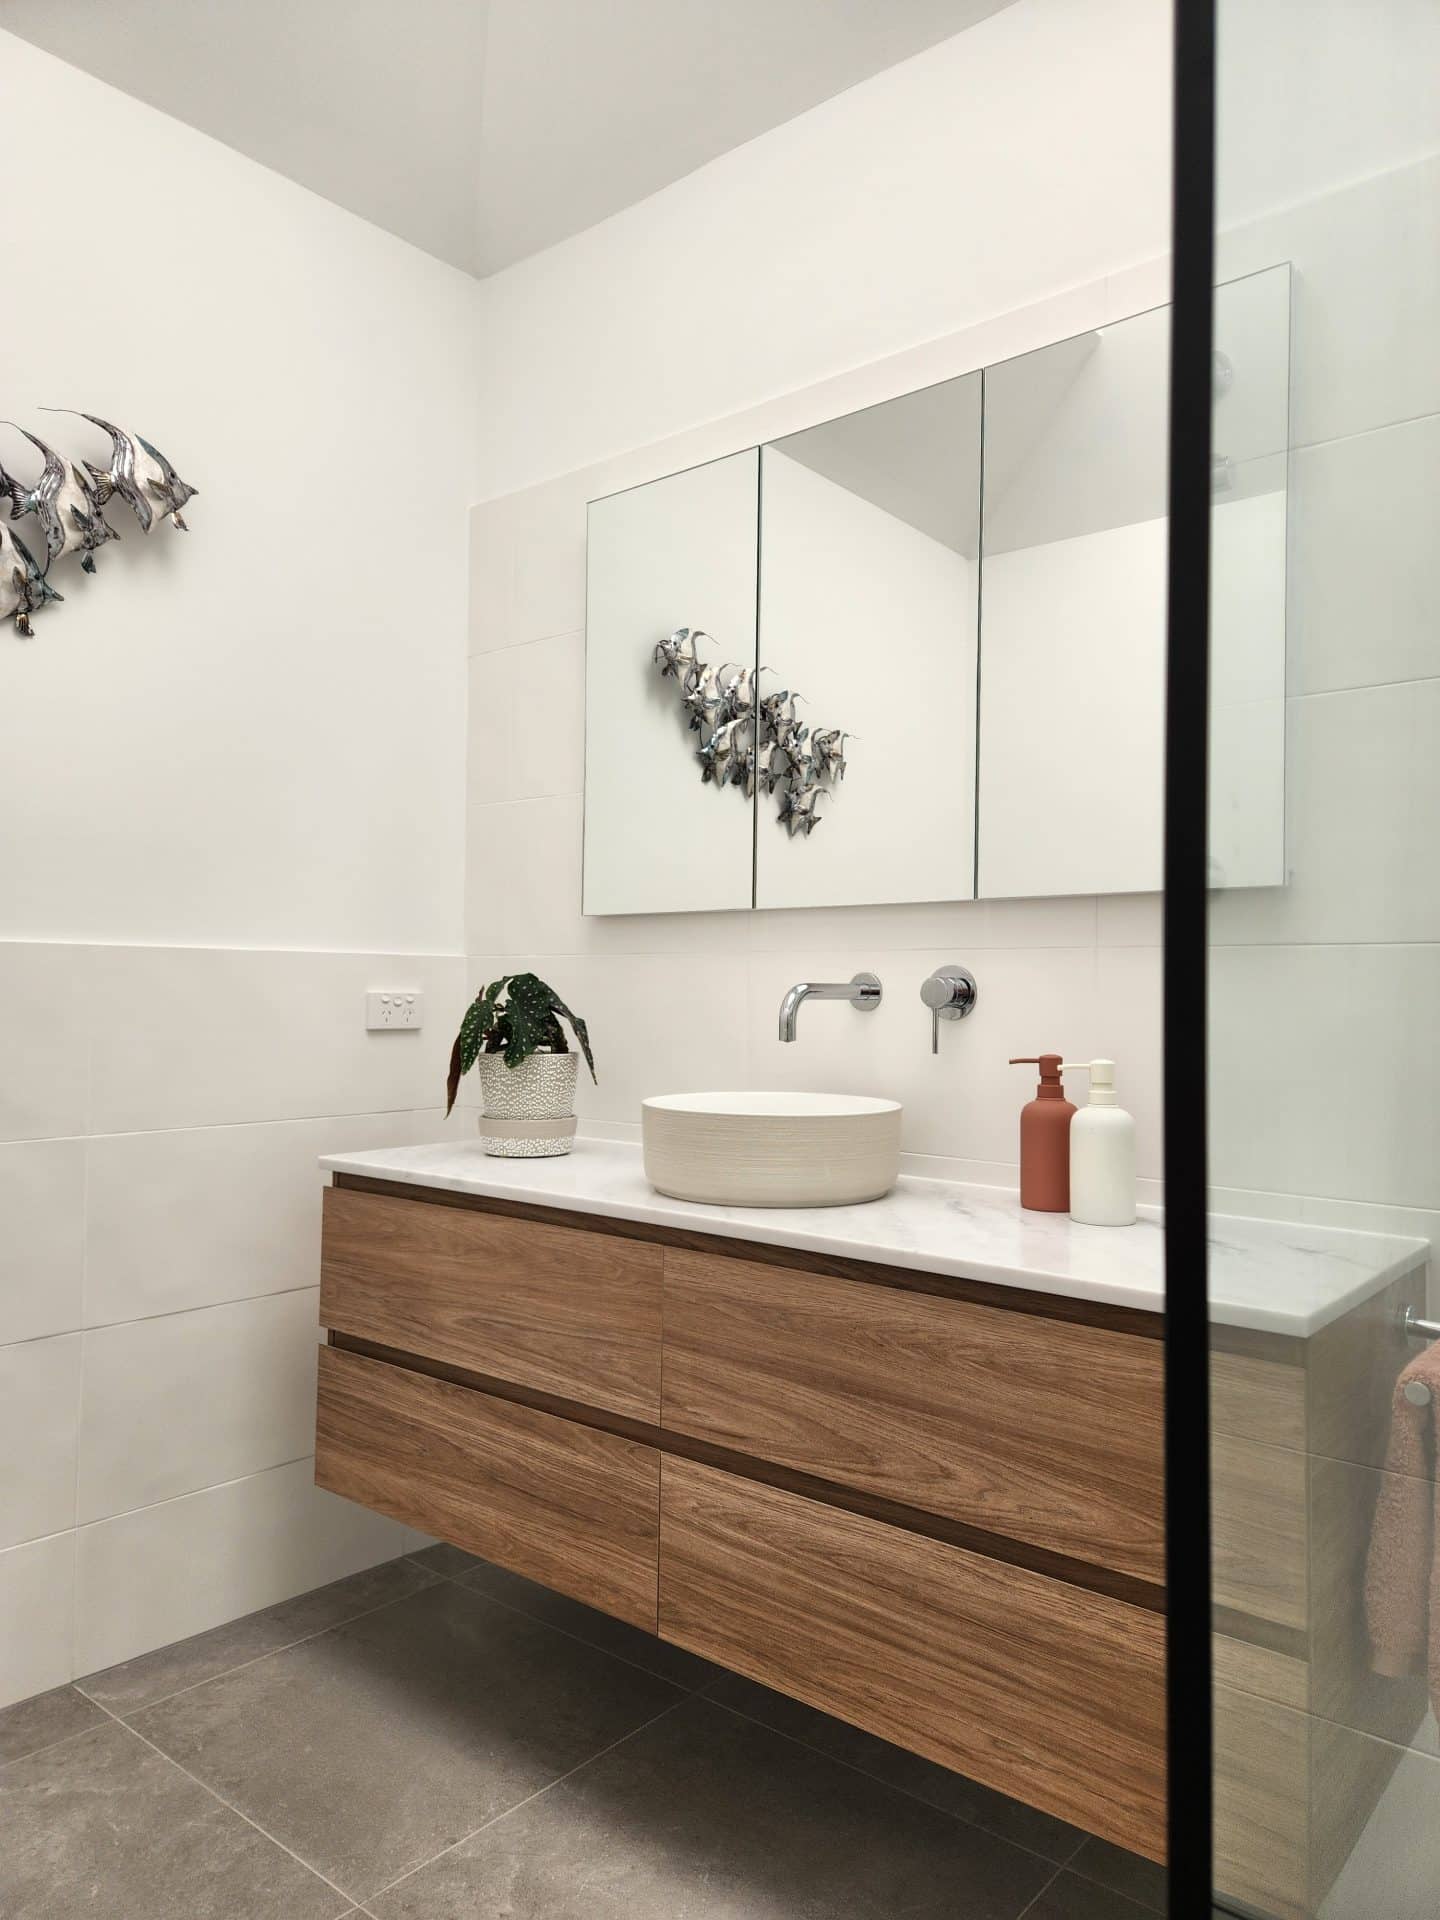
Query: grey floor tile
x: 1069, y: 1897
x: 41, y: 1721
x: 951, y: 1792
x: 373, y: 1746
x: 138, y: 1683
x: 102, y: 1826
x: 1121, y: 1872
x: 587, y: 1623
x: 707, y: 1816
x: 447, y: 1560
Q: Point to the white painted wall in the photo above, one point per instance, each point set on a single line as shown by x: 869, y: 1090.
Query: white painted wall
x: 184, y: 739
x: 230, y: 780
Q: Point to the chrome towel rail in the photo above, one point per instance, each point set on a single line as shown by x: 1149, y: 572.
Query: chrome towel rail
x: 1415, y: 1327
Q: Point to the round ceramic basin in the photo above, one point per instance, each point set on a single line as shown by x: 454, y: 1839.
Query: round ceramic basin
x: 771, y: 1149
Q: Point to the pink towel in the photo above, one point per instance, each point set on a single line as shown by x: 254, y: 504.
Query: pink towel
x: 1402, y: 1577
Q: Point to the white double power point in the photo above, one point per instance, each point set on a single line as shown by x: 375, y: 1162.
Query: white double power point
x: 395, y: 1008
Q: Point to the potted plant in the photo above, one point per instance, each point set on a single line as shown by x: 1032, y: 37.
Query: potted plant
x: 527, y: 1071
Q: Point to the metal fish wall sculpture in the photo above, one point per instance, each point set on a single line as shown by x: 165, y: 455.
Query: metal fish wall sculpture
x: 68, y: 501
x: 140, y: 474
x: 64, y: 504
x: 750, y: 740
x: 23, y: 586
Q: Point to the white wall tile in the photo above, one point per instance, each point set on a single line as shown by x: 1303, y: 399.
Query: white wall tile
x: 164, y: 1572
x: 1316, y: 1087
x: 524, y: 893
x: 549, y: 589
x: 203, y: 1036
x: 1363, y: 796
x: 45, y: 1084
x: 1130, y: 920
x: 965, y: 925
x: 655, y: 1027
x: 1364, y: 576
x: 39, y: 1401
x: 37, y: 1617
x: 525, y: 877
x: 487, y: 775
x: 194, y: 1217
x: 963, y: 1103
x: 187, y: 1400
x: 492, y: 574
x: 1129, y: 1029
x: 1366, y: 300
x: 42, y: 1237
x: 547, y: 716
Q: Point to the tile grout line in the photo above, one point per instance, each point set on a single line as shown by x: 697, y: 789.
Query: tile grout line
x: 64, y: 1740
x: 285, y: 1646
x: 701, y: 1692
x: 539, y: 1793
x: 1031, y: 1904
x: 220, y: 1800
x: 876, y: 1780
x: 458, y: 1580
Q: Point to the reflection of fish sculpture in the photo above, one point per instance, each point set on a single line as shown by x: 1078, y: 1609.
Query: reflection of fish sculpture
x: 140, y: 474
x: 797, y: 809
x: 23, y: 587
x: 721, y: 755
x: 701, y: 697
x: 827, y: 751
x: 770, y: 766
x: 64, y: 504
x: 737, y: 690
x: 676, y: 655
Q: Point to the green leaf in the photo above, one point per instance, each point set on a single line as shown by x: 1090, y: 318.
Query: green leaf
x: 475, y: 1029
x: 582, y: 1032
x: 527, y: 1023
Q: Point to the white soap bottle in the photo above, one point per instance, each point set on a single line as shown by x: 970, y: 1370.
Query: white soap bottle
x: 1102, y: 1153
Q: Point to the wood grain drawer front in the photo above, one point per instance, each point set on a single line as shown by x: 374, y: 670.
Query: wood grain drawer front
x: 559, y: 1309
x: 1041, y: 1690
x: 567, y: 1505
x: 1046, y: 1431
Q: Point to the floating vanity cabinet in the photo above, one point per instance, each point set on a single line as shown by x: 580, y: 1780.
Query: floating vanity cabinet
x: 930, y: 1506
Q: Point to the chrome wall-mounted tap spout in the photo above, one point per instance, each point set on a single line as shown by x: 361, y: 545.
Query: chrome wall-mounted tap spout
x: 863, y: 993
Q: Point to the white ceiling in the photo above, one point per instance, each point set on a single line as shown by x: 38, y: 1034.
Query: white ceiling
x: 483, y: 130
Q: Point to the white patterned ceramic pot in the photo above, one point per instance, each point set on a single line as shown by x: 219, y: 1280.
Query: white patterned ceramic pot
x: 530, y: 1109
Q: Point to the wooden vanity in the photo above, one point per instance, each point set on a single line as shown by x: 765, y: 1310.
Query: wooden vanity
x: 930, y: 1506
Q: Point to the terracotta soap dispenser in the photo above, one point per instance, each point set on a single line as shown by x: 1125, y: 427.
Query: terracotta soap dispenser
x: 1045, y: 1140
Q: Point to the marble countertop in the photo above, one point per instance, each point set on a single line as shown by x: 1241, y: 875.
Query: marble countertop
x: 1264, y: 1274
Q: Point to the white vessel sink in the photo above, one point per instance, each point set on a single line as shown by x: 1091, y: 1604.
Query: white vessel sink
x: 771, y: 1149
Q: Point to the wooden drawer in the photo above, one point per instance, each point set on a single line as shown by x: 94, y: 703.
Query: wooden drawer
x: 558, y: 1309
x: 565, y: 1504
x: 1038, y: 1689
x: 1046, y: 1431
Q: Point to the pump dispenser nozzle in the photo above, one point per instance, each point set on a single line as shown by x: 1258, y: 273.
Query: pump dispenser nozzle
x: 1050, y: 1065
x: 1045, y: 1139
x: 1102, y: 1080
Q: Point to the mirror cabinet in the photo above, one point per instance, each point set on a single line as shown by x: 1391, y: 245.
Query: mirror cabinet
x: 917, y: 653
